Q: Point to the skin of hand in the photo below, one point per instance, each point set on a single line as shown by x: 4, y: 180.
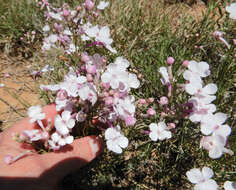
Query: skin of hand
x: 42, y: 171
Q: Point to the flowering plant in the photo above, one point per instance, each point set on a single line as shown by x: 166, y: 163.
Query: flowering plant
x: 96, y: 93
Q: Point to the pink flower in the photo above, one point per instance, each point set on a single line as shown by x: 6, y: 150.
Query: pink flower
x: 185, y: 63
x: 89, y: 4
x: 66, y: 13
x: 170, y: 60
x: 91, y: 69
x: 150, y: 100
x: 61, y: 95
x: 171, y: 125
x: 130, y: 121
x: 151, y: 112
x: 109, y: 100
x: 142, y: 101
x: 163, y: 100
x: 85, y: 57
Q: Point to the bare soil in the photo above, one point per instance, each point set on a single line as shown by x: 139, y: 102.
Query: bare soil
x: 19, y: 92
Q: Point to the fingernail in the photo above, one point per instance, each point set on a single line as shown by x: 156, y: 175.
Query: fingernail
x: 95, y: 145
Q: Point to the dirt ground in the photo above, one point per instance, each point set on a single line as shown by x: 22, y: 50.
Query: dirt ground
x: 20, y: 91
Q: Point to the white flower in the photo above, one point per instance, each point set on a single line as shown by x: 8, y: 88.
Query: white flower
x: 193, y: 85
x: 205, y: 94
x: 88, y: 92
x: 60, y: 104
x: 200, y: 109
x: 33, y: 135
x: 71, y: 83
x: 46, y: 28
x: 202, y: 179
x: 67, y: 32
x: 47, y: 68
x: 214, y: 123
x: 71, y: 49
x: 56, y: 16
x: 52, y: 38
x: 64, y: 123
x: 49, y: 42
x: 102, y: 5
x: 115, y: 139
x: 34, y: 112
x: 231, y: 10
x: 124, y: 107
x: 46, y: 45
x: 2, y: 85
x: 215, y: 145
x: 159, y: 131
x: 57, y: 140
x: 229, y: 185
x: 99, y: 34
x: 165, y: 77
x: 133, y: 81
x: 201, y: 69
x: 117, y: 76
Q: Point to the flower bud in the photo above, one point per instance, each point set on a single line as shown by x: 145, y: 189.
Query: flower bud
x: 62, y: 95
x: 111, y: 92
x: 105, y: 94
x: 109, y: 100
x: 130, y: 121
x: 139, y: 76
x: 171, y: 125
x: 170, y: 60
x: 185, y: 63
x: 66, y: 13
x: 163, y: 114
x: 79, y: 8
x: 234, y: 41
x: 150, y: 100
x: 164, y: 100
x: 218, y: 34
x: 89, y: 77
x: 151, y: 112
x: 89, y: 4
x: 91, y: 69
x: 104, y: 60
x: 84, y: 57
x: 142, y: 101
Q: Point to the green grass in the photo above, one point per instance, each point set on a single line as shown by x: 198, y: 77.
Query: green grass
x: 146, y: 33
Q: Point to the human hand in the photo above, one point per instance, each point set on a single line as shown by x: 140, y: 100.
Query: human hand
x: 42, y: 172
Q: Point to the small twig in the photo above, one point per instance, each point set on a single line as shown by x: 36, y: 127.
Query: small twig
x: 12, y: 107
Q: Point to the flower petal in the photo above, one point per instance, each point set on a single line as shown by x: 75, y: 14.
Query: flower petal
x: 194, y: 175
x: 207, y: 173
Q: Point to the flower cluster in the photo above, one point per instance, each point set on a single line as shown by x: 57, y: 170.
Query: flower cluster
x: 95, y: 91
x: 67, y: 28
x: 203, y: 110
x: 202, y: 179
x: 95, y: 85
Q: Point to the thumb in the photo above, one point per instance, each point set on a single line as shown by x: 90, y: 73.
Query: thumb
x: 69, y: 158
